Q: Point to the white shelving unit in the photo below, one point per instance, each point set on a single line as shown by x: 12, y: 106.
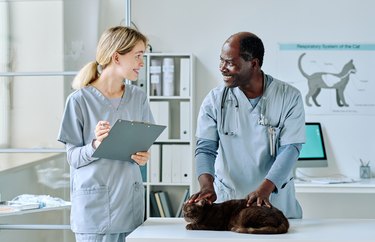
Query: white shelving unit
x: 170, y: 168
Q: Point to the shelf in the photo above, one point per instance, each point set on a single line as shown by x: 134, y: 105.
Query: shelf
x: 170, y: 166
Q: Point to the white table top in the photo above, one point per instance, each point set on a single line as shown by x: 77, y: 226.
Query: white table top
x: 360, y: 186
x: 301, y: 230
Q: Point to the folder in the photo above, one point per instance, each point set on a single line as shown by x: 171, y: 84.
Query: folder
x: 185, y: 130
x: 160, y: 111
x: 184, y: 198
x: 126, y: 138
x: 155, y: 163
x: 180, y: 157
x: 154, y: 210
x: 142, y: 77
x: 166, y: 163
x: 166, y: 204
x: 177, y: 158
x: 186, y: 164
x: 158, y: 202
x: 184, y: 77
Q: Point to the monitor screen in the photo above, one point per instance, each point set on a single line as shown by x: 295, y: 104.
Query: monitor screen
x: 313, y: 153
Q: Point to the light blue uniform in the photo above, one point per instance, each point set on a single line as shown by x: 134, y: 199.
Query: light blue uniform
x: 244, y: 159
x: 107, y: 195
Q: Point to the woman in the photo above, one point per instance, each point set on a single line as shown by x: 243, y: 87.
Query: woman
x: 107, y: 195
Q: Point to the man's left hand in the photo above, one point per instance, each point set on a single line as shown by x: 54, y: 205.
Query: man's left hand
x: 261, y: 196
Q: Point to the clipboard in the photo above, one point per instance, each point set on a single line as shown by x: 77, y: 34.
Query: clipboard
x: 126, y: 138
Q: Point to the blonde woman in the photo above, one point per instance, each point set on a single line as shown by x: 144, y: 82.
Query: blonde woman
x: 107, y: 195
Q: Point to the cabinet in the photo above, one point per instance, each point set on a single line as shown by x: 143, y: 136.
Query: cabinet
x: 167, y: 78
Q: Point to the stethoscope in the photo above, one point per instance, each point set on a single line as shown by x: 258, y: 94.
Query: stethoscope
x: 232, y: 128
x: 224, y: 111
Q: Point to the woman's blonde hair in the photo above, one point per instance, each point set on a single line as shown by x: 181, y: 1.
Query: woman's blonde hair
x: 119, y: 39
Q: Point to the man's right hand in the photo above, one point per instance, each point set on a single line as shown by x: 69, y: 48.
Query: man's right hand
x: 207, y: 191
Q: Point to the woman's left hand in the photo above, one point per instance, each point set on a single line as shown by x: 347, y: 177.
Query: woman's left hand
x: 141, y: 157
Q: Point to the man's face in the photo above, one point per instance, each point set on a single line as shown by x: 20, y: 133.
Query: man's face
x: 235, y: 70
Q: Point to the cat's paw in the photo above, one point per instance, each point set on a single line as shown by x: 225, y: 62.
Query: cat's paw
x: 189, y: 227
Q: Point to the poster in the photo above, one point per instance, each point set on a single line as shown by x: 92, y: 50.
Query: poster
x: 333, y: 78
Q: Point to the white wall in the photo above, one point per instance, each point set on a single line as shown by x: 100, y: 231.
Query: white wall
x: 201, y: 27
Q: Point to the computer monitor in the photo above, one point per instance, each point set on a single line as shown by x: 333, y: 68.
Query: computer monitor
x: 313, y: 153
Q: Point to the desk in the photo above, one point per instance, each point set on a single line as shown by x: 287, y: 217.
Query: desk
x: 347, y: 200
x: 34, y: 226
x: 362, y: 186
x: 305, y: 230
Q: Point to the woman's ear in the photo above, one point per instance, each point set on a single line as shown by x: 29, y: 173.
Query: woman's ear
x: 116, y: 58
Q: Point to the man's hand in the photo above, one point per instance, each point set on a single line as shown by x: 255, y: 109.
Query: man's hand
x: 261, y: 195
x: 207, y: 191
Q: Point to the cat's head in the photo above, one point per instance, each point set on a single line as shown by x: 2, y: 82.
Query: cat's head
x: 350, y: 67
x: 194, y: 212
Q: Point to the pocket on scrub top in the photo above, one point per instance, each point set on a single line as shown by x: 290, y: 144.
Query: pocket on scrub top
x: 90, y: 210
x: 223, y: 192
x: 138, y: 203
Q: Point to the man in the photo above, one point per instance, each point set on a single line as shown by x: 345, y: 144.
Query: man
x: 250, y: 132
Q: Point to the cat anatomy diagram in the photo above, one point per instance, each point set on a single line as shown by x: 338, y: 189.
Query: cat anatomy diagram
x: 333, y: 79
x: 316, y: 82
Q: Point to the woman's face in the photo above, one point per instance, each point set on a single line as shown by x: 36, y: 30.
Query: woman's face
x: 131, y: 62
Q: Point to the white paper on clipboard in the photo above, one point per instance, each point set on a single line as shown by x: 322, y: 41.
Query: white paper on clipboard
x: 126, y: 138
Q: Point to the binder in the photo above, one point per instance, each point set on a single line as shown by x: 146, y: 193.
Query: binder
x: 178, y: 158
x: 154, y: 206
x: 184, y: 77
x: 155, y: 163
x: 126, y: 138
x: 166, y: 204
x: 184, y: 198
x: 160, y: 111
x: 185, y: 130
x: 142, y: 77
x: 158, y: 202
x: 166, y: 163
x: 180, y: 162
x: 186, y: 164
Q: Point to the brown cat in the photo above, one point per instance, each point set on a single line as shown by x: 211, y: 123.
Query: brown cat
x: 233, y: 215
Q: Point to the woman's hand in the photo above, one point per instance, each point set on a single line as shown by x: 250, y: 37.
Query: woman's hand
x: 141, y: 157
x: 101, y: 132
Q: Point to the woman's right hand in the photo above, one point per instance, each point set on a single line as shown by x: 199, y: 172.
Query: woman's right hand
x: 101, y: 132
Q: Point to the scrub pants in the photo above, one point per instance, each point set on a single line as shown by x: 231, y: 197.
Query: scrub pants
x: 101, y: 237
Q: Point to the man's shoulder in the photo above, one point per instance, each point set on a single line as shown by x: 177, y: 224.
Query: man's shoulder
x: 216, y: 91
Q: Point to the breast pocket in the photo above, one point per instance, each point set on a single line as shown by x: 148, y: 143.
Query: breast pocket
x: 223, y: 192
x: 90, y: 210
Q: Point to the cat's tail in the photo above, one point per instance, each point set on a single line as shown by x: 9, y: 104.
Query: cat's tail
x: 281, y: 229
x: 300, y: 66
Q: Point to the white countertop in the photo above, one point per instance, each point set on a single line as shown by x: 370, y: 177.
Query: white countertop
x: 360, y: 186
x: 301, y: 230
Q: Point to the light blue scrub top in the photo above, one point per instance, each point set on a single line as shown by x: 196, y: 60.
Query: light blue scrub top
x: 107, y: 195
x: 244, y: 160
